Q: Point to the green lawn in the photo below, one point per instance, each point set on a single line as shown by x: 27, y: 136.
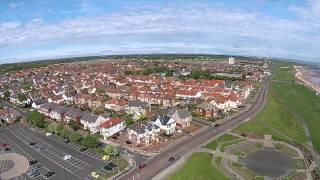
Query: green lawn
x: 198, y: 167
x: 289, y: 105
x: 226, y: 137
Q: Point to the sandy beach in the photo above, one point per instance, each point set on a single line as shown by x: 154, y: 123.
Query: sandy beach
x: 300, y: 75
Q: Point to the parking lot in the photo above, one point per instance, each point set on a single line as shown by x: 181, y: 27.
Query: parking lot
x: 50, y: 152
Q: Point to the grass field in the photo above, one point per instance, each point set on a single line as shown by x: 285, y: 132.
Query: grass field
x: 214, y: 144
x: 289, y: 106
x: 198, y: 167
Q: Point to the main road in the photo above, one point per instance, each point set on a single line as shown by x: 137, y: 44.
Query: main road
x: 160, y: 162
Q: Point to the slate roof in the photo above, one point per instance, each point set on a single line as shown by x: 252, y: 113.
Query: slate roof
x: 74, y: 113
x: 163, y: 119
x: 138, y: 104
x: 182, y: 113
x: 143, y: 126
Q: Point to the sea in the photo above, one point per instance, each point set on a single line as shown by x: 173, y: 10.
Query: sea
x: 312, y: 74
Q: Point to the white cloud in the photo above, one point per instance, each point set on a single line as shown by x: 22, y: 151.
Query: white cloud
x: 221, y: 30
x: 15, y: 5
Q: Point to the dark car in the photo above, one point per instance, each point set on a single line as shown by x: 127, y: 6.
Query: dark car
x: 141, y: 166
x: 83, y: 149
x: 171, y: 159
x: 108, y: 168
x: 67, y: 141
x: 33, y: 162
x: 7, y: 149
x: 33, y: 143
x: 128, y: 142
x: 111, y: 164
x: 49, y: 174
x: 101, y: 145
x: 216, y: 125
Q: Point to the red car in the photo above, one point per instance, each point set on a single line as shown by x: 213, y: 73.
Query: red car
x: 3, y: 145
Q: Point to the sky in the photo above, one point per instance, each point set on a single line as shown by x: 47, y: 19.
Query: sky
x: 40, y: 29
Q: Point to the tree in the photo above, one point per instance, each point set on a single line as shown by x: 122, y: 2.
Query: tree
x: 129, y: 122
x: 100, y: 91
x: 52, y: 127
x: 142, y: 117
x: 65, y: 133
x: 22, y: 97
x: 59, y: 129
x: 111, y: 150
x: 89, y: 141
x: 75, y: 137
x: 6, y: 94
x: 74, y: 125
x: 34, y: 117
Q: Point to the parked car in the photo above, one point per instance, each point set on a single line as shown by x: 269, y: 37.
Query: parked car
x: 33, y: 143
x: 94, y: 175
x: 33, y: 173
x: 3, y: 145
x: 171, y: 159
x: 49, y: 174
x: 33, y: 162
x: 48, y: 134
x: 105, y: 157
x: 35, y: 166
x: 7, y: 149
x: 217, y: 125
x: 141, y: 166
x: 108, y: 168
x: 83, y: 149
x: 111, y: 164
x: 67, y: 141
x: 66, y: 157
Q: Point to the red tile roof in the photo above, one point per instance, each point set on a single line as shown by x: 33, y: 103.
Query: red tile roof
x: 111, y: 122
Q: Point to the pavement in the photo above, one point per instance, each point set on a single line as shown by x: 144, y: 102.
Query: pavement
x: 19, y: 162
x: 160, y: 162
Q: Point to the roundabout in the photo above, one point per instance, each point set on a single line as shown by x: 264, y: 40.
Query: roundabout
x: 12, y: 165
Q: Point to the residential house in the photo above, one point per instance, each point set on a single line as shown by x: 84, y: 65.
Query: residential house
x: 143, y: 132
x: 207, y: 110
x: 116, y: 104
x: 8, y: 115
x: 92, y: 122
x: 138, y: 107
x: 183, y: 117
x: 166, y: 123
x: 112, y: 126
x: 73, y: 114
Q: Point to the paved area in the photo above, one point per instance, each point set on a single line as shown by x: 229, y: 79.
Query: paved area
x: 51, y: 154
x: 275, y: 163
x: 12, y: 165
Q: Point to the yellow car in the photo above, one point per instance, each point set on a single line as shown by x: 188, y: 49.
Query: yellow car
x: 105, y: 157
x: 94, y: 175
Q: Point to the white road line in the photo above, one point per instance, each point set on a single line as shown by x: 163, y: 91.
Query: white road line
x: 49, y: 158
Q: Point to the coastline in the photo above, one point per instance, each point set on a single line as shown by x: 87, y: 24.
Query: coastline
x: 300, y: 76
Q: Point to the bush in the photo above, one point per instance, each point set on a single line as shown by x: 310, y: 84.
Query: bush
x: 65, y: 133
x: 89, y: 141
x: 37, y: 119
x: 129, y: 122
x: 75, y: 137
x: 52, y: 127
x: 74, y: 125
x: 111, y: 150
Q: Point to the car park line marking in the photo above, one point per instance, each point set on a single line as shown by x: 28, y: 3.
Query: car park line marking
x: 74, y: 146
x: 22, y: 152
x: 47, y: 157
x: 57, y: 151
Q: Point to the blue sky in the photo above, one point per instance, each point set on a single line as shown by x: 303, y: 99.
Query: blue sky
x: 36, y: 29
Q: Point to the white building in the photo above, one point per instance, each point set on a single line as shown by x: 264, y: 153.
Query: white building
x: 111, y: 127
x: 231, y: 60
x: 166, y: 123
